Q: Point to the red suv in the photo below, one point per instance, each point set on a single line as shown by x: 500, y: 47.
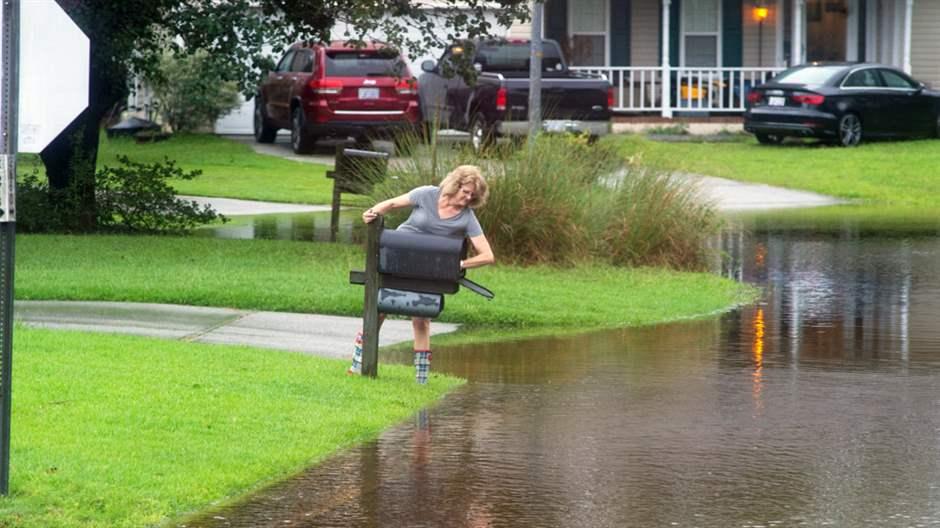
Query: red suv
x: 320, y: 90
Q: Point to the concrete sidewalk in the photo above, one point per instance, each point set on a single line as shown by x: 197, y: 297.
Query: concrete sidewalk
x: 321, y: 335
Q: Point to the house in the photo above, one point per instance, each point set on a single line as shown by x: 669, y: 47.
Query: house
x: 702, y: 56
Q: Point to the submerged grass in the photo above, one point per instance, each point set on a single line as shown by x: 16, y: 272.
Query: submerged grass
x: 313, y: 278
x: 119, y: 431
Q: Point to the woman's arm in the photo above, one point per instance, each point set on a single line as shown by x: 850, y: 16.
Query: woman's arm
x: 385, y: 206
x: 484, y: 253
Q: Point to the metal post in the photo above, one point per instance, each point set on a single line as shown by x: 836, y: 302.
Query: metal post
x: 334, y: 210
x: 9, y: 91
x: 535, y: 71
x: 370, y: 310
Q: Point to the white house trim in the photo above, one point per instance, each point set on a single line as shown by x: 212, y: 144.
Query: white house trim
x: 666, y: 83
x: 797, y: 43
x: 906, y: 59
x: 851, y: 31
x: 778, y: 35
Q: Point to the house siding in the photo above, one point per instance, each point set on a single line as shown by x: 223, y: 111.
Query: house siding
x: 925, y: 42
x: 644, y: 32
x: 749, y: 37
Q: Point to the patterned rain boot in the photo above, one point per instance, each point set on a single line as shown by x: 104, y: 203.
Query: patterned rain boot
x: 422, y: 365
x: 356, y: 367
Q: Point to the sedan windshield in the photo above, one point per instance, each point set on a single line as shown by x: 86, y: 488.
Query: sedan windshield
x: 814, y: 75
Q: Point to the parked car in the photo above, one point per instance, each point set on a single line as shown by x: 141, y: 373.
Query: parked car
x: 497, y: 103
x: 842, y: 102
x: 320, y: 90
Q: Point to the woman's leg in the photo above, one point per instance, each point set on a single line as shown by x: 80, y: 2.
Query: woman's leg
x: 356, y: 367
x: 422, y: 347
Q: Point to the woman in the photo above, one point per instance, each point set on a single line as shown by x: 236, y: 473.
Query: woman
x: 445, y: 210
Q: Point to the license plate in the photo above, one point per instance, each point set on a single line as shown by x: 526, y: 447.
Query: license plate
x: 554, y: 125
x: 776, y: 101
x: 368, y: 93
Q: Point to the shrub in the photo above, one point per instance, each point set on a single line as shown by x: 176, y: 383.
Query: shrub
x: 133, y: 197
x: 190, y: 92
x: 564, y: 200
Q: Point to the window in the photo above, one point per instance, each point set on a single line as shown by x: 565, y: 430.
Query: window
x: 894, y: 79
x: 700, y: 33
x: 380, y: 63
x: 588, y: 30
x: 303, y: 62
x: 809, y: 75
x: 862, y: 79
x: 285, y: 63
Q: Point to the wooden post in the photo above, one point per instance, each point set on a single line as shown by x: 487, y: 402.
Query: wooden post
x: 334, y: 212
x: 370, y: 311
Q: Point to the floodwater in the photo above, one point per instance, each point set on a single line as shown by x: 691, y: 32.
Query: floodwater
x: 817, y: 406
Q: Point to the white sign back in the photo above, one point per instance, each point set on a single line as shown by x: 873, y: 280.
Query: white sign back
x: 54, y: 60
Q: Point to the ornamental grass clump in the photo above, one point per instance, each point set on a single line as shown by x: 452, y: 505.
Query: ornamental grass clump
x: 564, y: 200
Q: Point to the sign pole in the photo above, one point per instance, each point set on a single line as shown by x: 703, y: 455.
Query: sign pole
x: 9, y: 91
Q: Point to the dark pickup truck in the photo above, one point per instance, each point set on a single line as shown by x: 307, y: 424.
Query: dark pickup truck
x: 497, y: 104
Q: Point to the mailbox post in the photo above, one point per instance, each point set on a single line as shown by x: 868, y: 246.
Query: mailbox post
x: 370, y: 309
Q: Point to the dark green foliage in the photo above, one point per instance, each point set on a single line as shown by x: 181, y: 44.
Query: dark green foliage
x: 190, y: 92
x: 132, y: 197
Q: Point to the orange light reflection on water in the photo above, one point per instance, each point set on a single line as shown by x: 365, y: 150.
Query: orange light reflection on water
x: 757, y: 352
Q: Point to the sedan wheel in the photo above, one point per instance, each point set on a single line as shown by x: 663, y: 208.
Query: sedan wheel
x: 769, y: 139
x: 299, y: 140
x: 938, y: 126
x: 850, y: 130
x: 264, y: 133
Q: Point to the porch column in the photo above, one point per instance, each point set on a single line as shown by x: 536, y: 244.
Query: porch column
x: 667, y: 81
x: 796, y: 41
x: 778, y: 35
x: 906, y: 37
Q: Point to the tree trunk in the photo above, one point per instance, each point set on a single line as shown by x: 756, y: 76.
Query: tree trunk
x: 71, y: 158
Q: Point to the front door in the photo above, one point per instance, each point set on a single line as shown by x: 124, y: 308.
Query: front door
x: 826, y: 26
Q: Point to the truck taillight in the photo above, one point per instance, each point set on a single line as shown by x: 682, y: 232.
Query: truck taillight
x: 326, y: 86
x: 610, y: 97
x: 501, y: 99
x: 808, y: 99
x: 407, y: 86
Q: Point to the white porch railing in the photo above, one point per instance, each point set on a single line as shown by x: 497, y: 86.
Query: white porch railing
x: 640, y: 88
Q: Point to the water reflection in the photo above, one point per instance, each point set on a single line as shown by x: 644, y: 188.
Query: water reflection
x: 815, y: 407
x: 299, y: 226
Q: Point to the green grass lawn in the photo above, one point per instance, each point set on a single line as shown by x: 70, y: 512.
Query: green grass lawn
x: 229, y: 169
x: 899, y: 173
x: 118, y: 431
x: 313, y: 277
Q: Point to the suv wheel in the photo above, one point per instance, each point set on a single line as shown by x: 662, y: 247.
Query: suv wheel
x: 300, y: 141
x: 850, y: 130
x: 264, y: 132
x: 481, y: 137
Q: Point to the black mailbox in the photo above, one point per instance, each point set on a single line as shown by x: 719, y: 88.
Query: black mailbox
x: 355, y: 172
x: 419, y: 256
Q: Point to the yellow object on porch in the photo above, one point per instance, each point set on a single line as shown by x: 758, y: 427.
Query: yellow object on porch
x: 693, y: 92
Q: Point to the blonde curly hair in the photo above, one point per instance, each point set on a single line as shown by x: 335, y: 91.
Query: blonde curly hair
x: 466, y: 175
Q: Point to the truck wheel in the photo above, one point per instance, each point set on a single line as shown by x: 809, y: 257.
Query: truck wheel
x: 264, y: 132
x: 481, y: 135
x: 300, y: 141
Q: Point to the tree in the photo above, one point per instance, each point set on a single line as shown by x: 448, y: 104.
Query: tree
x: 129, y: 37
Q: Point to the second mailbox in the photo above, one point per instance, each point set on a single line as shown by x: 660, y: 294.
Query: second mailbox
x: 424, y: 257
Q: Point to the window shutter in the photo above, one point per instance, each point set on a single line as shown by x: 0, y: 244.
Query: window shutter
x: 731, y: 33
x: 556, y: 21
x: 619, y: 32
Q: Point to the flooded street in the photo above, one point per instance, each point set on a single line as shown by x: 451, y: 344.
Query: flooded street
x: 817, y: 406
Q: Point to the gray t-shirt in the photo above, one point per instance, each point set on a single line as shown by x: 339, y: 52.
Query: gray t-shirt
x: 424, y: 217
